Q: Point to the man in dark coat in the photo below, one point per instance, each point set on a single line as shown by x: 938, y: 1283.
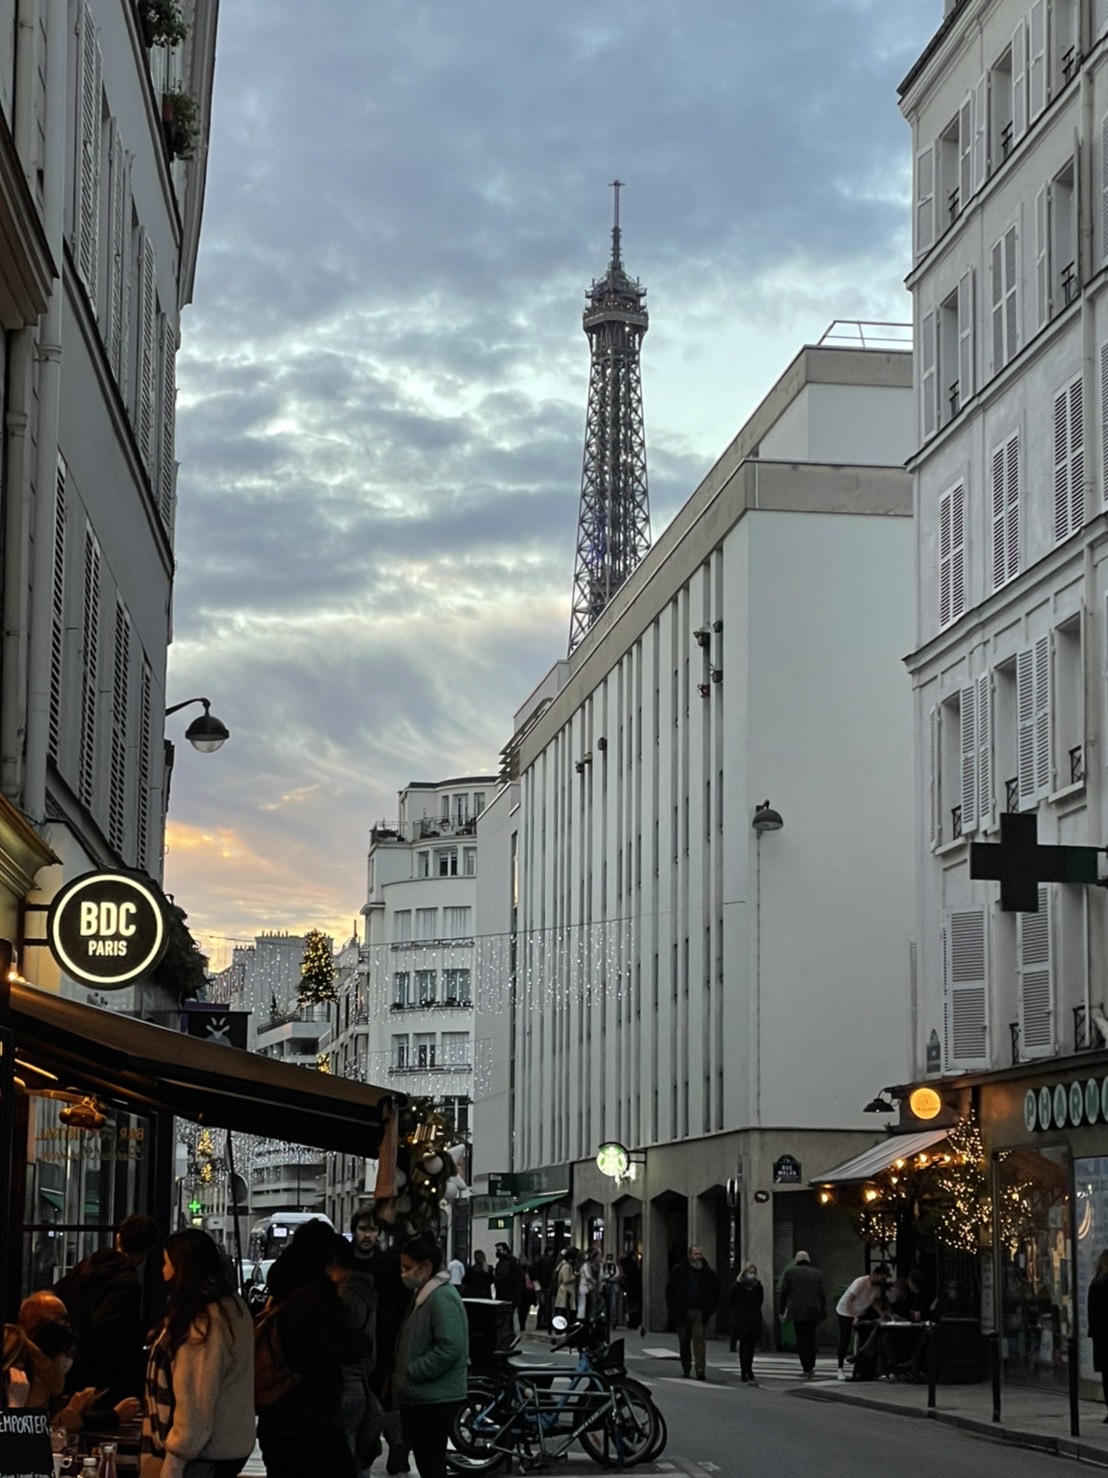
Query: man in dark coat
x: 509, y: 1277
x: 692, y: 1297
x: 383, y: 1266
x: 103, y: 1297
x: 804, y: 1301
x: 744, y: 1304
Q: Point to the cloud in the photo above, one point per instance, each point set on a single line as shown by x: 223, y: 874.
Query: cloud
x: 383, y: 373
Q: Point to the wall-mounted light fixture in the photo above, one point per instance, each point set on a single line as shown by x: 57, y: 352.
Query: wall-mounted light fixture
x: 767, y: 819
x: 704, y: 689
x: 702, y: 636
x: 602, y: 744
x: 717, y: 674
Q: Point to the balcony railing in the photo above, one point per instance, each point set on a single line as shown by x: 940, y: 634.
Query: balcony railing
x: 1014, y: 1030
x: 1006, y: 139
x: 1077, y: 764
x: 283, y: 1016
x: 432, y: 1067
x: 451, y: 1004
x: 952, y: 204
x: 1070, y: 63
x: 954, y: 399
x: 956, y: 822
x: 1087, y: 1036
x: 464, y: 943
x: 1070, y: 285
x: 1012, y: 795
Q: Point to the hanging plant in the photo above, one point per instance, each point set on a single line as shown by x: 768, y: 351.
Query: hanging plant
x: 162, y: 22
x: 181, y: 122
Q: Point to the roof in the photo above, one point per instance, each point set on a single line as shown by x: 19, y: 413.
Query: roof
x: 873, y: 1161
x: 153, y: 1068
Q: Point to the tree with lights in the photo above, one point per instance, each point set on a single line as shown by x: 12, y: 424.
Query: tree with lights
x: 317, y: 971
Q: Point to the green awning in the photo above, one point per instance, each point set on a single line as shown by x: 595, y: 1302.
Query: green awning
x: 534, y: 1202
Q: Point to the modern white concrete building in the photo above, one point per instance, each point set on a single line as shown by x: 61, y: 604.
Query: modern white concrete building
x: 1008, y: 107
x: 100, y: 220
x: 721, y: 1002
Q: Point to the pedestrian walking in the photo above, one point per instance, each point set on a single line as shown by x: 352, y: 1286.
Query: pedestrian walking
x: 1098, y: 1321
x: 744, y: 1304
x: 565, y: 1283
x: 692, y: 1297
x: 478, y: 1281
x: 432, y: 1355
x: 303, y: 1341
x: 611, y: 1280
x: 199, y: 1401
x: 383, y: 1266
x: 457, y: 1270
x: 858, y: 1297
x: 508, y: 1276
x: 543, y: 1274
x: 589, y: 1297
x: 804, y: 1301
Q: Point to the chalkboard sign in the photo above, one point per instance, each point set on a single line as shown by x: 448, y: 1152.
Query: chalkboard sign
x: 25, y: 1444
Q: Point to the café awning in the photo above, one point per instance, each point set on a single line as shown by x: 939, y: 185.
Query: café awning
x: 879, y: 1158
x: 534, y: 1202
x: 153, y: 1068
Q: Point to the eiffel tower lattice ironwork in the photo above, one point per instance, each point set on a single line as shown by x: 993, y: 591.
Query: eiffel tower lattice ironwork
x: 613, y: 530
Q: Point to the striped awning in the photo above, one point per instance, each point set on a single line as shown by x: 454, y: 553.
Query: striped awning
x: 873, y: 1161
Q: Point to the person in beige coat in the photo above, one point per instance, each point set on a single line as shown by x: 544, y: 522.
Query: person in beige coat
x: 565, y: 1284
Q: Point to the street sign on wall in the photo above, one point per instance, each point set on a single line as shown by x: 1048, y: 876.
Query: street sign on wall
x: 107, y: 929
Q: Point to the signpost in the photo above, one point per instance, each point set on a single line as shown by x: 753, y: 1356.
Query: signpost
x: 107, y: 929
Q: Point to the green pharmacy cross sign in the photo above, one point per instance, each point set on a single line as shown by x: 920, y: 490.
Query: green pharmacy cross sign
x: 196, y: 1207
x: 1019, y: 864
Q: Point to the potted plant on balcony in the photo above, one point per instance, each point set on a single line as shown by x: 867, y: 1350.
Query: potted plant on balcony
x: 181, y: 122
x: 162, y: 22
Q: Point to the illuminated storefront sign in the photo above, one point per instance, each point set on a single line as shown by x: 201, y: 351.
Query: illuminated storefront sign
x: 107, y: 929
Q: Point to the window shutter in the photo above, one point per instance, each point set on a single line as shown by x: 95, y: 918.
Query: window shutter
x: 1100, y: 17
x: 142, y: 808
x: 997, y: 279
x: 967, y: 722
x: 944, y: 935
x: 965, y: 338
x: 1069, y: 459
x: 167, y: 466
x: 119, y: 263
x: 965, y: 152
x: 1104, y: 187
x: 1000, y: 507
x: 1042, y: 256
x: 117, y: 775
x: 967, y: 986
x: 1011, y: 294
x: 981, y: 133
x: 86, y: 214
x: 957, y: 552
x: 90, y: 671
x: 984, y: 751
x: 1044, y: 757
x: 144, y: 390
x: 929, y: 375
x: 1061, y: 465
x: 1036, y: 1013
x: 1077, y: 454
x: 944, y: 559
x: 1104, y: 420
x: 925, y: 199
x: 1014, y: 506
x: 1025, y: 721
x: 57, y: 621
x: 1036, y: 60
x: 1019, y: 80
x: 935, y: 788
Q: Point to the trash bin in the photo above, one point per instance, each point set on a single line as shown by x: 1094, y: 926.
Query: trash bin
x: 961, y: 1352
x: 490, y: 1329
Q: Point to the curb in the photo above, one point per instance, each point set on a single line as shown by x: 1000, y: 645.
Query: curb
x: 1005, y: 1436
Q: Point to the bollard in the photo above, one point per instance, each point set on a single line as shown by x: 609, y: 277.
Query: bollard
x: 994, y: 1370
x: 1074, y: 1374
x: 932, y: 1365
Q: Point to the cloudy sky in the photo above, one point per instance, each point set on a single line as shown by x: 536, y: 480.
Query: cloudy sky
x: 383, y: 375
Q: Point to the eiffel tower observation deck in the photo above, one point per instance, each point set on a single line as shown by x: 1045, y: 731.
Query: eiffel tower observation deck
x: 613, y: 530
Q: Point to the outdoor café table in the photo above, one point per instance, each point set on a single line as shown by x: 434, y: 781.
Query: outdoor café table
x: 127, y: 1438
x: 904, y: 1347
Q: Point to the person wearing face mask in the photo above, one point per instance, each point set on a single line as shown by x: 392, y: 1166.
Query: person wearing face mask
x: 432, y: 1355
x: 745, y: 1305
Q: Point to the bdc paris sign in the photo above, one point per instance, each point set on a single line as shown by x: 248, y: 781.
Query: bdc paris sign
x: 107, y: 929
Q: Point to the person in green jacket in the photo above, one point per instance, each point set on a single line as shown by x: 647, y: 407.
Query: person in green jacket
x: 432, y: 1355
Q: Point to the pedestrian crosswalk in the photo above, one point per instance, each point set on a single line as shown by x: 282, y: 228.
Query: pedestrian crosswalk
x: 780, y: 1368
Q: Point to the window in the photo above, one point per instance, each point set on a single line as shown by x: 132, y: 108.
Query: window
x: 401, y: 1051
x: 120, y: 731
x: 446, y: 808
x: 478, y: 802
x: 925, y: 223
x: 426, y: 923
x: 1033, y: 722
x: 948, y: 171
x: 1069, y: 460
x: 1036, y: 60
x: 950, y: 776
x: 455, y: 1049
x: 86, y: 215
x: 425, y: 987
x: 425, y: 1049
x: 469, y: 862
x: 1057, y: 282
x: 446, y: 862
x: 58, y: 611
x: 965, y: 988
x: 402, y: 925
x: 461, y: 809
x: 1069, y: 704
x: 401, y: 988
x: 1005, y: 298
x: 1035, y: 979
x: 423, y: 864
x: 455, y: 1110
x: 956, y: 355
x: 456, y: 923
x: 952, y: 555
x: 1006, y: 510
x: 1001, y: 104
x: 90, y: 670
x: 975, y: 752
x: 456, y: 987
x: 1064, y: 49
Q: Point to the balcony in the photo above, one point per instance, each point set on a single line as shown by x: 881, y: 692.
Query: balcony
x: 397, y: 1069
x: 283, y: 1016
x: 464, y: 943
x: 451, y: 1004
x: 424, y: 828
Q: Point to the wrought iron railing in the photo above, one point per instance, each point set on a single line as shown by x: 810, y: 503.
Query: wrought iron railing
x: 1070, y: 63
x: 1014, y: 1030
x: 1012, y: 795
x: 1070, y: 285
x: 1077, y: 764
x: 1087, y: 1036
x: 952, y: 204
x: 1006, y: 139
x: 956, y: 822
x: 954, y: 399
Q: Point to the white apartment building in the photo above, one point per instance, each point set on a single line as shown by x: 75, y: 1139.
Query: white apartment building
x: 720, y: 1001
x: 100, y: 218
x: 1008, y: 107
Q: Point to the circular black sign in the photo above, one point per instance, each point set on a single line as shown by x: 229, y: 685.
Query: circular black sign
x: 107, y: 929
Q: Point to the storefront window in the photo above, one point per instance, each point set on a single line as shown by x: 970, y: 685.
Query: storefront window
x: 1090, y: 1178
x: 80, y: 1184
x: 1037, y: 1282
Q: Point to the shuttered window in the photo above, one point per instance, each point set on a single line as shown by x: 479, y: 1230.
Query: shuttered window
x: 1019, y: 80
x: 90, y: 671
x: 1042, y: 256
x: 1069, y: 460
x: 981, y: 132
x: 1033, y: 688
x: 1100, y: 17
x: 57, y: 619
x: 86, y: 213
x: 952, y: 555
x: 975, y: 754
x: 925, y: 200
x: 1104, y: 420
x: 117, y: 774
x: 119, y: 262
x: 142, y: 777
x: 985, y: 805
x: 1005, y: 478
x: 929, y: 383
x: 1036, y: 60
x: 967, y: 724
x: 1035, y: 978
x: 965, y: 988
x: 146, y: 349
x: 167, y: 466
x: 935, y: 798
x: 966, y: 354
x: 1004, y: 264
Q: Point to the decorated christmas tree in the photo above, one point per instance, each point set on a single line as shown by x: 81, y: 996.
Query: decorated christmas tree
x: 317, y: 971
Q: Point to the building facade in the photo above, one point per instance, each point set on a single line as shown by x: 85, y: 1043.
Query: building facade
x: 1008, y: 107
x: 720, y: 1001
x: 101, y: 195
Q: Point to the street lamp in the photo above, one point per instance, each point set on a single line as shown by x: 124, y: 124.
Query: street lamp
x: 767, y: 819
x: 206, y: 733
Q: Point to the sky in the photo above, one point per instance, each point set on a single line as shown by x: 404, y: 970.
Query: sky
x: 383, y: 374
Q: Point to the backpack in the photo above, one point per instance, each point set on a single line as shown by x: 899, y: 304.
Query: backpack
x: 274, y: 1380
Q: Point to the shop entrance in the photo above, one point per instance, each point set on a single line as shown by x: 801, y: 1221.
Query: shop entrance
x: 1036, y: 1265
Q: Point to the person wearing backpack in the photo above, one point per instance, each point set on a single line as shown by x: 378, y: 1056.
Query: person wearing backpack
x: 302, y: 1342
x: 103, y: 1296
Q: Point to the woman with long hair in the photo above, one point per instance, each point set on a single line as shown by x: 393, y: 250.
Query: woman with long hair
x: 199, y: 1409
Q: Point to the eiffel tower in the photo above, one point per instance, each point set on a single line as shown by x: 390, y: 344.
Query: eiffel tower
x: 613, y: 529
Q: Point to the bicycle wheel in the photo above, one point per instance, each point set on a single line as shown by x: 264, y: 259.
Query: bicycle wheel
x: 630, y: 1432
x: 471, y: 1449
x: 661, y: 1436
